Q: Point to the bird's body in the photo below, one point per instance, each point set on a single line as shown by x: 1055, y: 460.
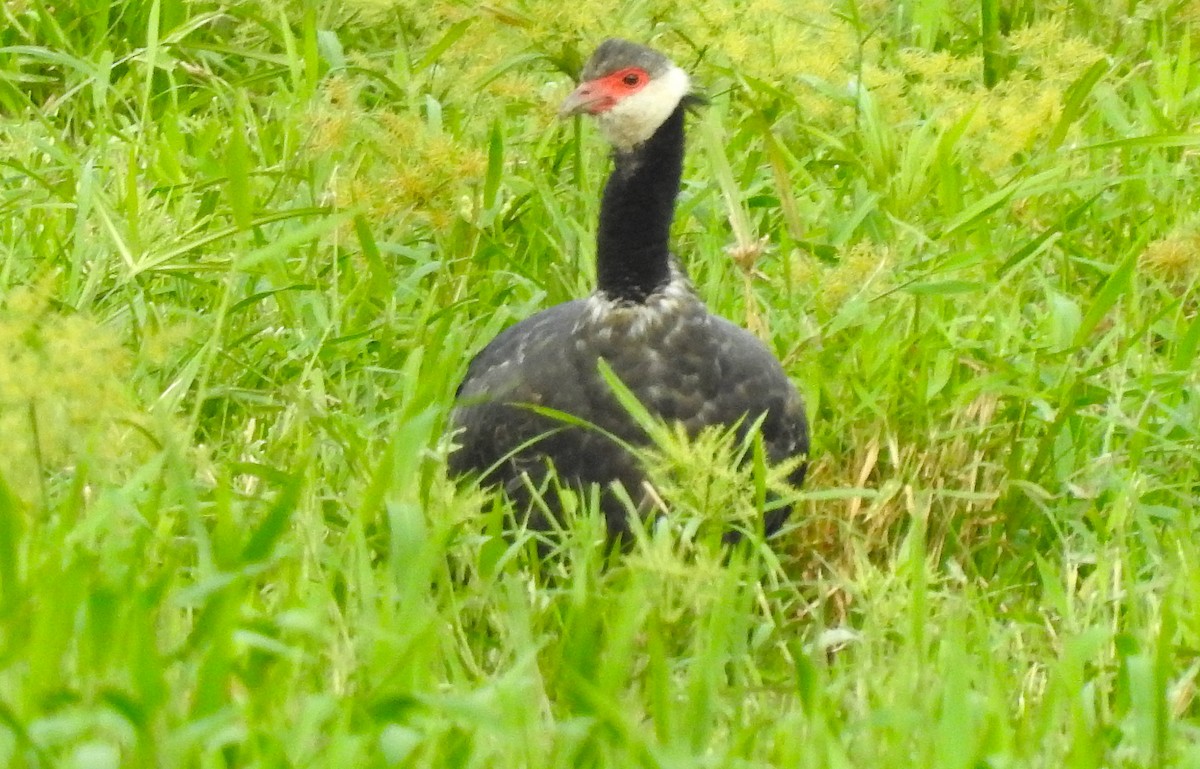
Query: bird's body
x: 644, y: 320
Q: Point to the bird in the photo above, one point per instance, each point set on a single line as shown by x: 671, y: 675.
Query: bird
x: 644, y: 320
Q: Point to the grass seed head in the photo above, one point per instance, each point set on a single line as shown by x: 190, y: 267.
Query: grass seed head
x: 63, y: 393
x: 1175, y: 259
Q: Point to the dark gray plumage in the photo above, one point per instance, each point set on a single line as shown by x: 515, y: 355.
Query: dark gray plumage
x: 683, y: 363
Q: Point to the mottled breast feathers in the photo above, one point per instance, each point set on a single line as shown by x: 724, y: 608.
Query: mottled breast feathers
x: 683, y: 364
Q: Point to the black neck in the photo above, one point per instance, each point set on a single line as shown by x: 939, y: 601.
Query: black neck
x: 632, y: 248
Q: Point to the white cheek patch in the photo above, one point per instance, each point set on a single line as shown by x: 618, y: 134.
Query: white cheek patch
x: 635, y: 118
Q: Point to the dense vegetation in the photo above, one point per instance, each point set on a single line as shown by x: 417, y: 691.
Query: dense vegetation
x: 247, y: 249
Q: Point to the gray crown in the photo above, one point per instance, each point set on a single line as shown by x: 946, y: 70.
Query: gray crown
x: 614, y: 54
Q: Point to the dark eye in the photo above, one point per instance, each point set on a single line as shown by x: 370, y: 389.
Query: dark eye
x: 632, y: 78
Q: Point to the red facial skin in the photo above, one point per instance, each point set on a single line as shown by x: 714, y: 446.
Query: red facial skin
x: 603, y: 93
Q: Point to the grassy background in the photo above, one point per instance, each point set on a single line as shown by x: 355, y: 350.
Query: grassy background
x: 247, y: 249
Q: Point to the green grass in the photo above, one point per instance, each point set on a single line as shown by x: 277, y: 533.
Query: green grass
x: 247, y: 249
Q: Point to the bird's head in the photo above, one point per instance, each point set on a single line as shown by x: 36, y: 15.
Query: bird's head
x: 630, y: 89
